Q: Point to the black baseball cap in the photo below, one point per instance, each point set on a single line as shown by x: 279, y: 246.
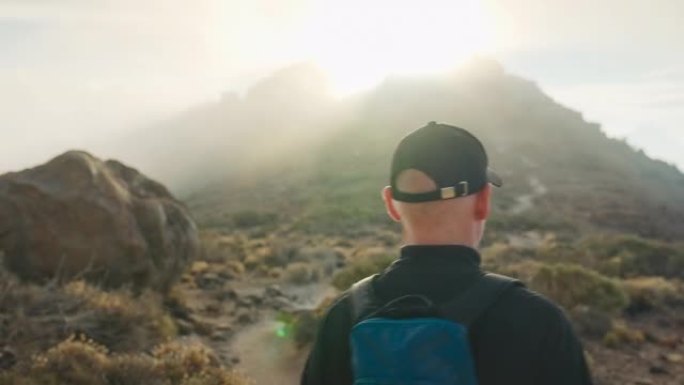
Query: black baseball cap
x: 453, y: 157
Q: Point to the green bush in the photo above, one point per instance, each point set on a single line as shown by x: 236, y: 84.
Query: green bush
x: 252, y: 218
x: 591, y: 322
x: 573, y: 285
x: 623, y: 256
x: 302, y: 325
x: 630, y: 256
x: 359, y: 268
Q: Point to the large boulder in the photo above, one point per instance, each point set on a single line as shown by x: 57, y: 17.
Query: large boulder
x: 79, y: 217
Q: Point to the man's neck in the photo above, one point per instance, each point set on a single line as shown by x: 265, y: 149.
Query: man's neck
x: 435, y: 238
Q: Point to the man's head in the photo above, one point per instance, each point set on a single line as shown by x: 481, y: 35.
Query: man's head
x: 440, y: 186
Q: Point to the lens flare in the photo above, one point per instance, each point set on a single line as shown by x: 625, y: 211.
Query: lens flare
x: 359, y: 43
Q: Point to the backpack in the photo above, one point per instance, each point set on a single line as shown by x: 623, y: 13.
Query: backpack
x: 411, y: 341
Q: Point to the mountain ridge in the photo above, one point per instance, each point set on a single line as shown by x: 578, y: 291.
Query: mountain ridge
x: 318, y: 150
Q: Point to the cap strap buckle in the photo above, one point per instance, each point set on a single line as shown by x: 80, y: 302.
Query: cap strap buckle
x: 464, y: 191
x: 450, y: 192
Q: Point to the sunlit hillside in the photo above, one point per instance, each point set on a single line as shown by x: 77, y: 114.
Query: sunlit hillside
x: 290, y: 151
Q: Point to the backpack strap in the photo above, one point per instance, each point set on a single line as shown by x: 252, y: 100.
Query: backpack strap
x: 469, y: 306
x: 464, y: 309
x: 362, y: 297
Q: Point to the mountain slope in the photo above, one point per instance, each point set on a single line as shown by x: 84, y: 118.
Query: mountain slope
x: 289, y: 151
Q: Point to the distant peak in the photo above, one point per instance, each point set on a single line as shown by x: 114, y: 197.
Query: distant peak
x: 299, y: 79
x: 481, y: 66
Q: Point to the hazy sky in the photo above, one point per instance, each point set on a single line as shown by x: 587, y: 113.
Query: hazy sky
x: 77, y: 73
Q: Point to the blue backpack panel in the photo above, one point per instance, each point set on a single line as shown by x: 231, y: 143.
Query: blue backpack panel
x: 420, y: 351
x: 397, y: 344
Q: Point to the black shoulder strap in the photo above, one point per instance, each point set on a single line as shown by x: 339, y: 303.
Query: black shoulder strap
x: 361, y: 296
x: 469, y: 306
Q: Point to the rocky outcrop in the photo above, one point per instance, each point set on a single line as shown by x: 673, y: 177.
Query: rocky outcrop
x: 77, y: 216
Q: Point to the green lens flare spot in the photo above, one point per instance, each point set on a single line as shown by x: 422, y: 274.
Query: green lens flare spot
x: 283, y: 330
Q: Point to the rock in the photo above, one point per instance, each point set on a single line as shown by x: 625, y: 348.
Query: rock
x: 202, y: 327
x: 656, y: 369
x: 273, y: 291
x: 245, y: 302
x: 668, y: 341
x: 7, y: 358
x: 227, y: 275
x: 209, y: 281
x: 674, y: 357
x: 219, y: 336
x: 254, y: 299
x: 643, y: 381
x: 226, y: 295
x: 185, y: 327
x: 225, y: 328
x: 213, y: 308
x: 77, y: 216
x: 199, y: 267
x: 280, y: 303
x: 245, y: 317
x: 222, y: 332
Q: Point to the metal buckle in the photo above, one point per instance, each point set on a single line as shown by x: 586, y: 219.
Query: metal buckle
x: 448, y: 192
x: 465, y: 187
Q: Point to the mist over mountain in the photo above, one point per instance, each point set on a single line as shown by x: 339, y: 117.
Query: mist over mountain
x: 288, y: 148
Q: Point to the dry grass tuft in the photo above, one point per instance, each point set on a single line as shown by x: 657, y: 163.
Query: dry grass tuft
x: 80, y: 361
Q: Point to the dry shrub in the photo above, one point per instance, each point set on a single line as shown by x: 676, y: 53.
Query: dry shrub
x: 591, y: 322
x: 621, y: 334
x: 34, y: 318
x: 276, y: 273
x: 329, y: 259
x: 218, y: 248
x: 74, y: 361
x: 119, y: 321
x: 648, y: 293
x: 301, y: 273
x: 501, y: 255
x: 236, y: 267
x: 524, y: 271
x: 361, y: 267
x: 281, y: 251
x: 79, y: 361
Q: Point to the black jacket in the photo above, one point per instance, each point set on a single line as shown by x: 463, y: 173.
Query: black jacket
x: 522, y: 339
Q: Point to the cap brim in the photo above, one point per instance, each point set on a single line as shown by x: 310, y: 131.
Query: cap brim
x: 494, y: 178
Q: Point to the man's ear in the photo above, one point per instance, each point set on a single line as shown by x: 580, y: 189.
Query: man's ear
x: 482, y: 202
x: 389, y: 204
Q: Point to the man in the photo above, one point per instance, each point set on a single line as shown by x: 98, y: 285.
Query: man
x: 440, y: 193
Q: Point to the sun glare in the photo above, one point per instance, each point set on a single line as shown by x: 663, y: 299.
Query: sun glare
x: 359, y: 43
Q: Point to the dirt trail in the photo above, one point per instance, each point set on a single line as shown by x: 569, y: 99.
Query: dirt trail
x: 525, y: 202
x: 267, y: 358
